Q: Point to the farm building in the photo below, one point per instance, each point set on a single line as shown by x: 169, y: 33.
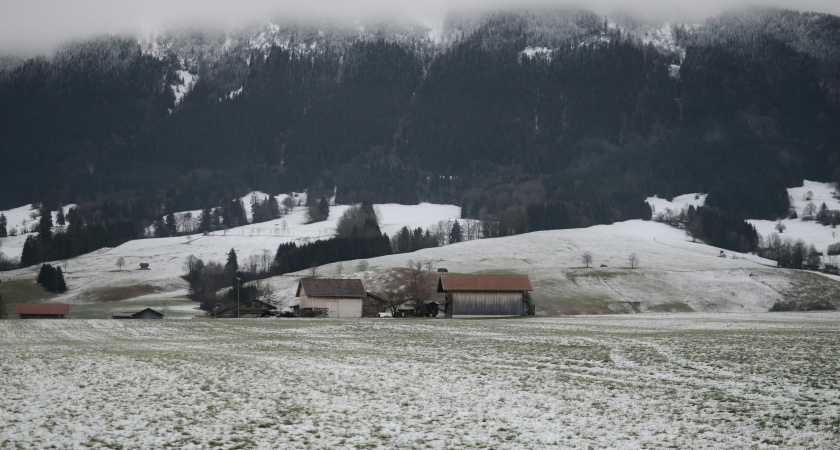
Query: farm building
x: 341, y: 298
x: 486, y: 295
x: 147, y: 313
x: 250, y: 308
x: 42, y: 310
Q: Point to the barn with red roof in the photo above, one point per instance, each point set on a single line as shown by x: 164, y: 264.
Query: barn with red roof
x: 486, y: 295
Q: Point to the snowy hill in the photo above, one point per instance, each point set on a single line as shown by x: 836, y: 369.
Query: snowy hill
x: 94, y: 278
x: 674, y: 274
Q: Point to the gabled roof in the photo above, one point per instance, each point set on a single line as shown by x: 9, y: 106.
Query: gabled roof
x: 265, y: 305
x: 42, y: 308
x: 484, y: 283
x: 133, y: 314
x: 331, y: 287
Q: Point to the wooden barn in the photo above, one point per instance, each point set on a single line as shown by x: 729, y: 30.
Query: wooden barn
x: 342, y: 298
x: 249, y: 309
x: 42, y: 310
x: 486, y: 295
x: 147, y: 313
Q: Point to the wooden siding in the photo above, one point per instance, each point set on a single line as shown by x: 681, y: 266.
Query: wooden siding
x: 339, y: 307
x: 487, y: 304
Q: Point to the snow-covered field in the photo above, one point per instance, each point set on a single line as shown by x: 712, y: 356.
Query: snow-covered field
x: 694, y: 381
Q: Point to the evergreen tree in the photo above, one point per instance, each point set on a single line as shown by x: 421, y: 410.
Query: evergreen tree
x: 171, y: 225
x: 256, y: 210
x: 324, y: 207
x: 206, y: 221
x: 455, y: 234
x: 51, y: 278
x: 59, y: 218
x: 61, y: 286
x: 160, y: 227
x: 45, y: 225
x: 3, y: 231
x: 29, y: 255
x: 232, y: 265
x: 273, y: 208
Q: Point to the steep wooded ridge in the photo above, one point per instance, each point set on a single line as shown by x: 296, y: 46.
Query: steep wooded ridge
x: 495, y: 113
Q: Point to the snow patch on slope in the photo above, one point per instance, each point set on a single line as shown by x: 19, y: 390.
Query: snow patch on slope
x: 188, y: 81
x: 809, y: 231
x: 542, y: 53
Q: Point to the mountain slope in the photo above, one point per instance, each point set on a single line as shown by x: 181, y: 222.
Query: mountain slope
x: 741, y: 103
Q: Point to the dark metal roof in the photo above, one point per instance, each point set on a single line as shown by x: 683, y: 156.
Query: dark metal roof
x: 133, y: 314
x: 250, y: 304
x: 484, y: 283
x: 331, y: 287
x: 42, y: 308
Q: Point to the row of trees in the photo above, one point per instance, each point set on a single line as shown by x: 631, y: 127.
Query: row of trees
x: 714, y: 227
x: 789, y: 253
x: 292, y: 258
x: 51, y: 278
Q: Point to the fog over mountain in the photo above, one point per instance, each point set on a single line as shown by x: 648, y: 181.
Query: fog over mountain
x: 38, y: 26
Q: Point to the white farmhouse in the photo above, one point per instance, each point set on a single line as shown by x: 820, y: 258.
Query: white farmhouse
x: 341, y: 298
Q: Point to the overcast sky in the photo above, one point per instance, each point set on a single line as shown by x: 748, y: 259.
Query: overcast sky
x: 37, y: 26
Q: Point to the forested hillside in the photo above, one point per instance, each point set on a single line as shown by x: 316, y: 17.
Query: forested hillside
x: 562, y: 110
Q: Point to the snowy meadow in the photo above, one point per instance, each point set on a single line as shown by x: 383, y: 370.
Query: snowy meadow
x: 699, y: 380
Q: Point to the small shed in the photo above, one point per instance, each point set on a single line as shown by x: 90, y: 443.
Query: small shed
x: 372, y: 305
x: 42, y: 310
x: 486, y: 295
x: 250, y: 308
x: 343, y: 298
x: 147, y: 313
x: 144, y: 266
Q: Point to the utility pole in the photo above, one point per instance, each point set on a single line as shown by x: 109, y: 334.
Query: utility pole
x: 238, y: 283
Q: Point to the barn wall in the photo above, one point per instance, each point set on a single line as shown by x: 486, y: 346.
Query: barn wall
x: 487, y: 304
x: 338, y: 307
x: 148, y: 315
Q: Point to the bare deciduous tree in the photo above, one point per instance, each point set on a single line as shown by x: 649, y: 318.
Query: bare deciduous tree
x: 339, y: 267
x: 780, y: 227
x: 120, y: 262
x: 809, y: 211
x: 587, y: 259
x: 633, y: 259
x: 362, y: 266
x: 694, y: 230
x: 420, y: 291
x: 429, y: 265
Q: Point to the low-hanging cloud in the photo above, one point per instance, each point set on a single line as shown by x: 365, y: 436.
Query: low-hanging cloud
x: 37, y: 26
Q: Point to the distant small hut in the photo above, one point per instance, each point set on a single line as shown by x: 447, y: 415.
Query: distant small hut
x: 147, y: 313
x: 42, y: 310
x: 486, y: 295
x: 144, y: 266
x: 250, y: 309
x: 343, y: 298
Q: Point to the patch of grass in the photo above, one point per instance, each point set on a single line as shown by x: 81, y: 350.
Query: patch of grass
x: 113, y: 294
x: 669, y: 307
x: 19, y: 291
